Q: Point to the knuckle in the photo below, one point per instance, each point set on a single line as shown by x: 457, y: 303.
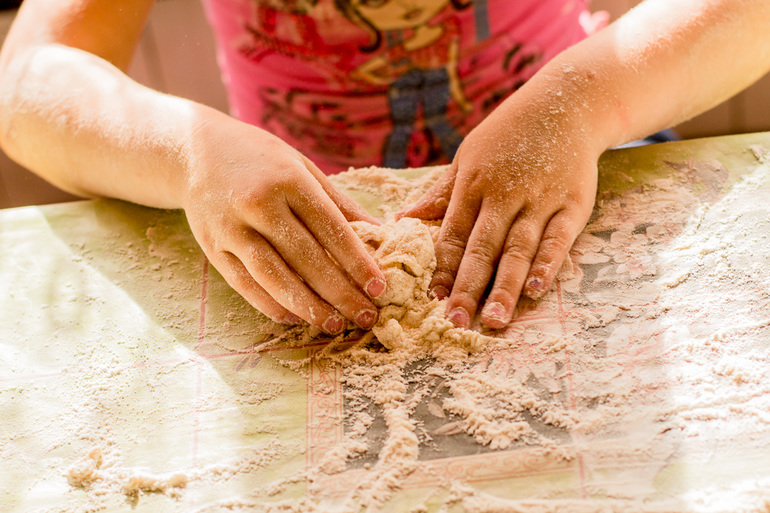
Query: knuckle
x: 272, y: 190
x: 447, y: 262
x: 556, y: 230
x: 319, y: 313
x: 558, y: 238
x: 253, y: 192
x: 522, y: 242
x: 224, y: 261
x: 257, y: 198
x: 210, y: 232
x: 443, y: 278
x: 301, y: 301
x: 208, y: 243
x: 507, y: 287
x: 518, y: 252
x: 503, y: 294
x: 481, y: 252
x: 347, y: 299
x: 524, y: 231
x: 465, y: 299
x: 238, y: 277
x: 555, y: 243
x: 451, y: 242
x: 259, y: 262
x: 362, y: 267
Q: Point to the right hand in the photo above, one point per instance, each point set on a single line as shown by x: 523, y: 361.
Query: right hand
x: 277, y: 230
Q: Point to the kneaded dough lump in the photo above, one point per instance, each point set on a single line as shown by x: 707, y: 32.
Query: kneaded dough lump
x: 409, y: 319
x: 404, y: 252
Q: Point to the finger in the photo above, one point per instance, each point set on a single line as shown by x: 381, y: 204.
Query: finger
x: 450, y: 245
x: 329, y: 227
x: 434, y: 203
x: 284, y: 285
x: 300, y: 249
x: 238, y: 277
x: 558, y: 237
x: 351, y: 210
x: 478, y: 263
x: 515, y: 261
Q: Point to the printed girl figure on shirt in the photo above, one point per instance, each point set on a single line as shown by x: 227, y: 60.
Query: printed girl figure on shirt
x: 419, y: 66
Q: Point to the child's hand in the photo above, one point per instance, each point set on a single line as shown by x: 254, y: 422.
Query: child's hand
x: 277, y: 230
x: 518, y: 193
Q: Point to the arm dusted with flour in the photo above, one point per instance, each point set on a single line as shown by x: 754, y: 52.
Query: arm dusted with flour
x: 265, y: 216
x: 522, y: 185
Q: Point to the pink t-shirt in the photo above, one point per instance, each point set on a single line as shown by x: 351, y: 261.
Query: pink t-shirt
x: 382, y: 82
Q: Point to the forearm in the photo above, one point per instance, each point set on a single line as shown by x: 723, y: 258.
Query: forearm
x: 659, y: 65
x: 86, y: 127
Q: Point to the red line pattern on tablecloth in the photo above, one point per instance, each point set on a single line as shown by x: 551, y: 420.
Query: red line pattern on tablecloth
x: 324, y: 409
x: 562, y: 317
x: 198, y: 369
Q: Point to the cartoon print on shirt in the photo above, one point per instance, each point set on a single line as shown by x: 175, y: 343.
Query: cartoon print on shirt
x: 291, y: 28
x: 419, y: 70
x: 385, y: 84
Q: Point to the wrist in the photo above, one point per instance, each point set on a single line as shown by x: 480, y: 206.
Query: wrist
x: 578, y: 99
x: 202, y: 136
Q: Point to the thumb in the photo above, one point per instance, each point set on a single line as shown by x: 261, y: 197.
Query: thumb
x: 433, y: 204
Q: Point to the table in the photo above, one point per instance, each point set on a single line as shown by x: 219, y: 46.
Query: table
x: 134, y: 379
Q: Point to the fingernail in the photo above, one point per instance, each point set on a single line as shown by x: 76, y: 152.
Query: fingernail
x: 292, y: 319
x: 459, y: 317
x: 534, y: 287
x: 439, y: 292
x: 334, y: 324
x: 534, y: 283
x: 375, y: 287
x: 495, y: 311
x: 366, y: 318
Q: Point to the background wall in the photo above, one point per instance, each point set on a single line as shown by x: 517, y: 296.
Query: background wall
x: 176, y: 55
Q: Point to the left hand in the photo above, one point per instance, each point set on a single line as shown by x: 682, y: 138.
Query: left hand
x: 519, y: 191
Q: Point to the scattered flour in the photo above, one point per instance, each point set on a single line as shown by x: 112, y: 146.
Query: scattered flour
x: 624, y: 377
x: 639, y: 375
x: 93, y: 472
